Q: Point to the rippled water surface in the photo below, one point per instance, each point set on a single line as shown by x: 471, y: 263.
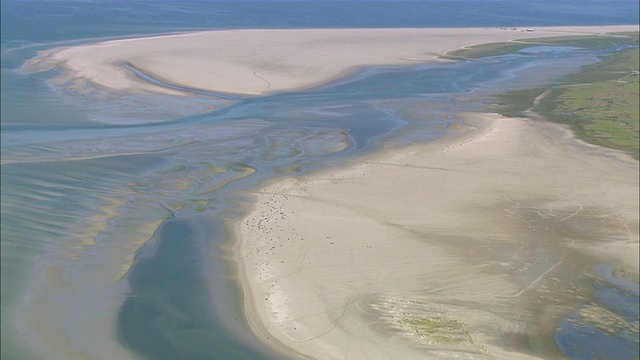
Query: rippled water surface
x: 93, y: 185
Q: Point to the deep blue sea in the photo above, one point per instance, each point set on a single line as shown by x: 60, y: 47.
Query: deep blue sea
x: 88, y: 184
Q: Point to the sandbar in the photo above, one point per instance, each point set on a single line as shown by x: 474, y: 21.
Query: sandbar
x: 485, y: 234
x: 258, y: 62
x: 471, y: 246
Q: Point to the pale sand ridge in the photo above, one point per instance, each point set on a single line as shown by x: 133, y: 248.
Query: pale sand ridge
x: 441, y: 250
x: 265, y: 61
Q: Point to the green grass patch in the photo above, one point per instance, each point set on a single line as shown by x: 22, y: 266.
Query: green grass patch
x: 486, y: 50
x: 514, y: 103
x: 438, y: 330
x: 605, y: 111
x: 600, y: 103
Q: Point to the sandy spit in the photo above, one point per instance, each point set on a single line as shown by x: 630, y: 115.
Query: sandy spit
x: 258, y: 62
x: 471, y: 246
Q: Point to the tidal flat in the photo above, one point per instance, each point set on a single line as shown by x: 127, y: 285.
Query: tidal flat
x: 101, y: 188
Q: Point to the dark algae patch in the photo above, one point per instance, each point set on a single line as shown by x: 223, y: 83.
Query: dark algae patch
x: 600, y: 103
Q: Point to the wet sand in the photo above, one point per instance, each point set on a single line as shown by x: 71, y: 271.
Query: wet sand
x: 473, y: 245
x: 256, y: 62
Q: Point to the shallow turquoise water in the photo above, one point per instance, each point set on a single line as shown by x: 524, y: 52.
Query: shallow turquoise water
x: 73, y: 160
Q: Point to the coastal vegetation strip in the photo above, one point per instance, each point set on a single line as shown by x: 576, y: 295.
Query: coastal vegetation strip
x: 603, y: 112
x: 600, y: 103
x: 594, y: 42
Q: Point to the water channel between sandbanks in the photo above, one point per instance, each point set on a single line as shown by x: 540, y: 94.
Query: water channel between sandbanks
x: 178, y: 182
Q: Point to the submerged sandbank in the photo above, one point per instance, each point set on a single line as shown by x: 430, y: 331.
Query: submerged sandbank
x: 255, y: 62
x: 467, y: 246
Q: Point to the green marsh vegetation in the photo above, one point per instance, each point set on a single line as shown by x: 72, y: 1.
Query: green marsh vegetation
x: 587, y: 42
x: 441, y: 330
x: 600, y: 103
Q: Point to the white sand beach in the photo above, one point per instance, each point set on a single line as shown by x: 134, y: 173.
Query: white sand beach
x: 442, y: 250
x: 256, y: 62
